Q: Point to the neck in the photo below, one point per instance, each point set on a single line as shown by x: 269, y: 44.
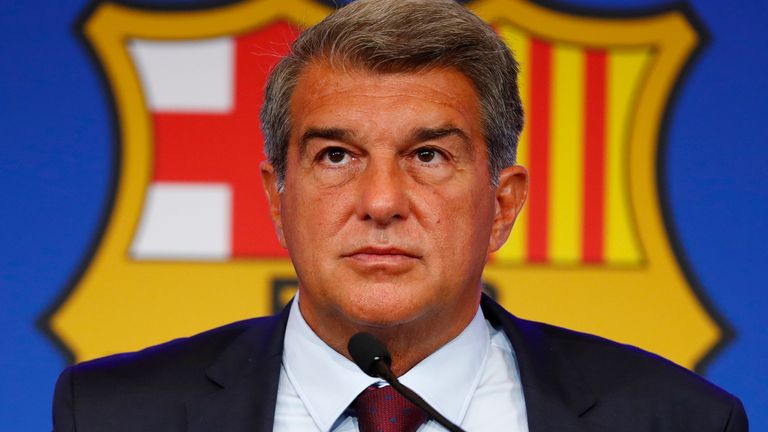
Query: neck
x: 408, y: 343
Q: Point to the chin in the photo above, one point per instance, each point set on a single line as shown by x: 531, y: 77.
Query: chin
x: 384, y: 311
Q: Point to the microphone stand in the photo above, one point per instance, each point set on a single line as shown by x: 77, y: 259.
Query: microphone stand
x: 381, y: 368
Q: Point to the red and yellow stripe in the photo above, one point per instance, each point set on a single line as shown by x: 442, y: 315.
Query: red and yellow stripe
x: 578, y: 102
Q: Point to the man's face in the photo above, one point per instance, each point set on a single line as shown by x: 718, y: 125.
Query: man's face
x: 388, y: 211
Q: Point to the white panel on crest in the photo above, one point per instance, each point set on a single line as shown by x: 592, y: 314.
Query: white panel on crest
x: 185, y: 221
x: 186, y: 76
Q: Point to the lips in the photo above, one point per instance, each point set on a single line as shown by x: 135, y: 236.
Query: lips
x: 382, y: 255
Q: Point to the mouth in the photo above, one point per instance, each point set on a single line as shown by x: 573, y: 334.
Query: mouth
x: 381, y: 255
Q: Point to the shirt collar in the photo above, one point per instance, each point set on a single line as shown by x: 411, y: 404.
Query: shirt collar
x: 447, y: 378
x: 327, y: 382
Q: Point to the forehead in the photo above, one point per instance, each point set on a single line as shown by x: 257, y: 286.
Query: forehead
x: 356, y: 96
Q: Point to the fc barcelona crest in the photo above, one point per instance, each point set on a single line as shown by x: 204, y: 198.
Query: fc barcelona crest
x: 189, y: 245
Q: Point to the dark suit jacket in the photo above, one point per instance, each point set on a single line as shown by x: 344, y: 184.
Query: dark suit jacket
x: 226, y: 380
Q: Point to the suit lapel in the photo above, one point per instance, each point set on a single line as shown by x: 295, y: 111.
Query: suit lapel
x: 248, y: 373
x: 556, y: 396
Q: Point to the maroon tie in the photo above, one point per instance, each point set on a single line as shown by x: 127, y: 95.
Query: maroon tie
x: 385, y: 410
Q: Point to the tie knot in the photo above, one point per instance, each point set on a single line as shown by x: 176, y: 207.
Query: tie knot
x: 383, y: 409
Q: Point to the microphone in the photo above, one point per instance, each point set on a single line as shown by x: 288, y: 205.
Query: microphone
x: 373, y: 358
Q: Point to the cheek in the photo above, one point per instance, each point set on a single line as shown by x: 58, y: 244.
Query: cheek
x: 313, y: 218
x: 463, y: 221
x: 450, y: 216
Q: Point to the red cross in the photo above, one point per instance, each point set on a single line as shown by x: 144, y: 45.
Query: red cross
x: 227, y: 148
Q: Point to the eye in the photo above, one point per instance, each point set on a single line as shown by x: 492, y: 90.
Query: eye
x: 334, y: 156
x: 428, y: 155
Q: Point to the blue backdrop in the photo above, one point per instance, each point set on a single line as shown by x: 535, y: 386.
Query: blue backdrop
x: 57, y: 147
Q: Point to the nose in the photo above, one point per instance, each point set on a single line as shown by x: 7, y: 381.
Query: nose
x: 383, y: 195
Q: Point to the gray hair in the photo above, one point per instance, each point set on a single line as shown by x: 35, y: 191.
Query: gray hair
x: 388, y: 36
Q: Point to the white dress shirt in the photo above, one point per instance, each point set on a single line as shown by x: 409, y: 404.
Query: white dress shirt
x: 473, y: 380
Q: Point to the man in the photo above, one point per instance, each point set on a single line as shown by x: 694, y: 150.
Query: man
x: 390, y: 132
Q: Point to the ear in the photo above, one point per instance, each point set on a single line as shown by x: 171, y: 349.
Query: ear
x: 510, y: 197
x: 269, y: 180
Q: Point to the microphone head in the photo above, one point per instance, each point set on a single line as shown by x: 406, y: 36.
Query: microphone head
x: 366, y: 351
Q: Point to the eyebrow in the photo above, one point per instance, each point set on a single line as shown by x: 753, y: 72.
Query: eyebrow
x: 418, y: 136
x: 331, y: 134
x: 430, y: 134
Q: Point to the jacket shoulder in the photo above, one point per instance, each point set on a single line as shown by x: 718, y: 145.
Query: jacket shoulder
x: 605, y: 361
x: 182, y: 356
x: 632, y: 381
x: 148, y: 387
